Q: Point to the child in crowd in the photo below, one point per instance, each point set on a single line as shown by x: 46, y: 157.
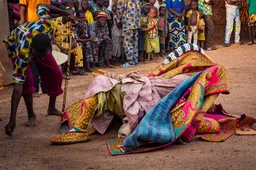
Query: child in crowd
x: 252, y: 20
x: 143, y: 23
x: 201, y: 28
x: 193, y: 19
x: 82, y: 35
x: 116, y: 36
x: 152, y: 39
x: 86, y: 10
x: 162, y: 28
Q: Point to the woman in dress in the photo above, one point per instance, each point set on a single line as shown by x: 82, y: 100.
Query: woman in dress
x: 176, y: 20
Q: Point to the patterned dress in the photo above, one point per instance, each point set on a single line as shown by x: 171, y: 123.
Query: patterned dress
x: 128, y: 11
x: 62, y: 32
x: 177, y: 32
x: 19, y: 41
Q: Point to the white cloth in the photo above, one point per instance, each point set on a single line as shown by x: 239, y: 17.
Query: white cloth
x: 194, y: 33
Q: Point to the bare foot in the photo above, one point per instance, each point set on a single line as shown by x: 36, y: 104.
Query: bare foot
x: 31, y: 122
x: 54, y: 111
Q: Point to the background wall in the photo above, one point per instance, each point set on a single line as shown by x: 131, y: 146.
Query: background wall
x: 4, y: 32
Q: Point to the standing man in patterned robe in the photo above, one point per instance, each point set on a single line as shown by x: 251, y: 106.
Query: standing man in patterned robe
x: 128, y: 12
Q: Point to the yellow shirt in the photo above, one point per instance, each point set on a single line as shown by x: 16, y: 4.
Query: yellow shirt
x: 31, y: 8
x: 89, y: 17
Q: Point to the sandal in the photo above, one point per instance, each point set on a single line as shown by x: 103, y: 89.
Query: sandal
x: 126, y: 65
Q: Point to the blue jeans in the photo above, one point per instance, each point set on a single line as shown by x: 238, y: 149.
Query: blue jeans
x: 232, y: 14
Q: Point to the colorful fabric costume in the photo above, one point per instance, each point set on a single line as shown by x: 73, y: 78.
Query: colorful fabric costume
x: 18, y: 44
x: 173, y: 102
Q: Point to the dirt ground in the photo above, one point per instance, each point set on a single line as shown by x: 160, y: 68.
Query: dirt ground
x: 29, y: 148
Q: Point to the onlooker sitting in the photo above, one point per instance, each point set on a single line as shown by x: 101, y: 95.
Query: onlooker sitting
x: 232, y: 13
x: 62, y: 31
x: 99, y: 30
x: 82, y: 37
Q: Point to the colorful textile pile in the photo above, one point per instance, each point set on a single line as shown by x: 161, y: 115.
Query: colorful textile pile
x: 189, y: 109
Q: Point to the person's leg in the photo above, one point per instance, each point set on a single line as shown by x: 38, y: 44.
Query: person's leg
x: 31, y: 115
x: 135, y: 46
x: 238, y: 26
x: 128, y: 45
x: 51, y: 77
x: 189, y: 36
x: 229, y: 25
x: 20, y: 90
x: 195, y: 36
x: 210, y: 30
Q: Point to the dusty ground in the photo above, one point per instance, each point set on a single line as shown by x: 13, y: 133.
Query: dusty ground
x: 29, y: 148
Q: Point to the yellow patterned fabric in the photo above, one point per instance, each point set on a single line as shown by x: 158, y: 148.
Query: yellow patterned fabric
x: 62, y: 32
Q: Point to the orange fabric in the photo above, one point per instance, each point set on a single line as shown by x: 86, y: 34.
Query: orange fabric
x: 31, y: 8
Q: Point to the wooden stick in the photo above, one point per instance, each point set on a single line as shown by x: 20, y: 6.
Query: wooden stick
x: 67, y: 75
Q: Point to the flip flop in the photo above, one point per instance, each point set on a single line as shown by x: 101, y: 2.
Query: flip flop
x: 126, y: 65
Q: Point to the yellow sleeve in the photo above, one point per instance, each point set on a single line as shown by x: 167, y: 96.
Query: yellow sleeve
x: 189, y: 14
x: 89, y: 17
x: 23, y: 2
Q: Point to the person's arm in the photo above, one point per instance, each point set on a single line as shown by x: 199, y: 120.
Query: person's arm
x: 188, y: 17
x: 23, y: 14
x: 233, y: 2
x: 57, y: 10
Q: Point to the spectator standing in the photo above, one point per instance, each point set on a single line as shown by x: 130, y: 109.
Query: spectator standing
x: 116, y: 36
x: 193, y: 20
x: 252, y: 21
x: 206, y: 7
x: 128, y: 12
x: 201, y: 28
x: 232, y: 14
x: 176, y: 20
x: 162, y: 28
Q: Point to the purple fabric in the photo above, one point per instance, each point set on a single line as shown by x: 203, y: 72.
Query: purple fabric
x: 141, y: 94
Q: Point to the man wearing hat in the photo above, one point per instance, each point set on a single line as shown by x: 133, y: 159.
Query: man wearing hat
x: 99, y: 31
